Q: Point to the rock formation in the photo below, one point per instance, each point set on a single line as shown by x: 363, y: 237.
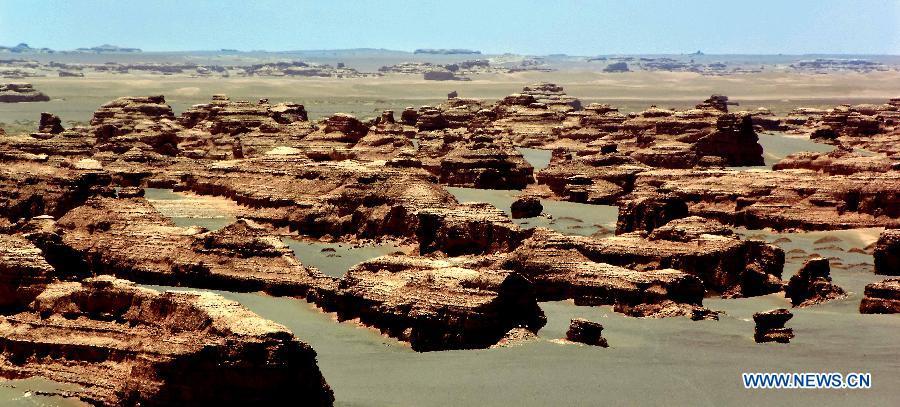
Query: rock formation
x: 881, y: 298
x: 587, y: 332
x: 724, y: 263
x: 24, y: 273
x: 124, y: 345
x: 887, y: 253
x: 770, y: 326
x: 129, y: 238
x: 31, y: 189
x: 564, y: 268
x: 21, y: 92
x: 812, y: 284
x: 146, y: 123
x: 437, y: 304
x: 526, y: 207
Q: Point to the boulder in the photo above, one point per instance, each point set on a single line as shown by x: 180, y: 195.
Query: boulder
x: 770, y: 326
x: 587, y: 332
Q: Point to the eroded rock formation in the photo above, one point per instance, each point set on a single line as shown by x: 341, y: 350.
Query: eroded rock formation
x: 587, y: 332
x: 437, y: 304
x: 881, y: 298
x: 127, y: 345
x: 770, y: 326
x: 812, y: 284
x: 887, y: 253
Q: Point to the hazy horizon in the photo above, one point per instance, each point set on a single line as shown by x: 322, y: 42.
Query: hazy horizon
x: 764, y: 27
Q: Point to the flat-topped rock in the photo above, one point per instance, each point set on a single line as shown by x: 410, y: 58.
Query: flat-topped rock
x: 726, y: 265
x: 121, y: 344
x: 881, y: 298
x: 128, y: 237
x: 147, y: 123
x: 21, y: 92
x: 563, y: 271
x: 437, y: 304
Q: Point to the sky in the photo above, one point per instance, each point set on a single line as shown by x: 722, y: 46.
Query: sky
x: 498, y: 26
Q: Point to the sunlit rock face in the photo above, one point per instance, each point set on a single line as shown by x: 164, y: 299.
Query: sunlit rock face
x: 127, y: 345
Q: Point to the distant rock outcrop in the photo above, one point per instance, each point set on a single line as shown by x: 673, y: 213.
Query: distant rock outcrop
x: 21, y: 92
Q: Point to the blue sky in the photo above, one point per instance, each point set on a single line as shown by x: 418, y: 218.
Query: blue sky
x: 520, y: 26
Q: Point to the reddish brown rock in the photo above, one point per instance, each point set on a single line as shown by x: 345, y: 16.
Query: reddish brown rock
x: 143, y: 122
x: 129, y: 238
x: 437, y: 304
x: 526, y: 207
x: 770, y: 326
x: 781, y: 199
x: 812, y: 284
x: 725, y: 264
x: 122, y: 345
x: 224, y: 129
x: 561, y: 268
x: 24, y: 273
x: 872, y: 127
x: 881, y: 298
x: 587, y: 332
x: 475, y: 160
x: 887, y: 253
x: 29, y: 189
x: 50, y: 123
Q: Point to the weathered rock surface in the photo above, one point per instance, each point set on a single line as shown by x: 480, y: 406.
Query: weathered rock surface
x: 887, y: 253
x: 24, y: 273
x: 129, y: 238
x: 770, y: 326
x: 561, y: 268
x: 146, y: 123
x: 526, y: 207
x: 224, y: 129
x: 881, y: 298
x: 29, y: 189
x: 127, y: 345
x: 873, y: 127
x: 437, y: 304
x: 724, y: 263
x: 21, y: 92
x: 587, y: 332
x: 837, y: 162
x: 781, y: 199
x: 812, y: 284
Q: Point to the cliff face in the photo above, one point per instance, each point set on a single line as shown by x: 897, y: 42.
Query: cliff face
x: 127, y: 345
